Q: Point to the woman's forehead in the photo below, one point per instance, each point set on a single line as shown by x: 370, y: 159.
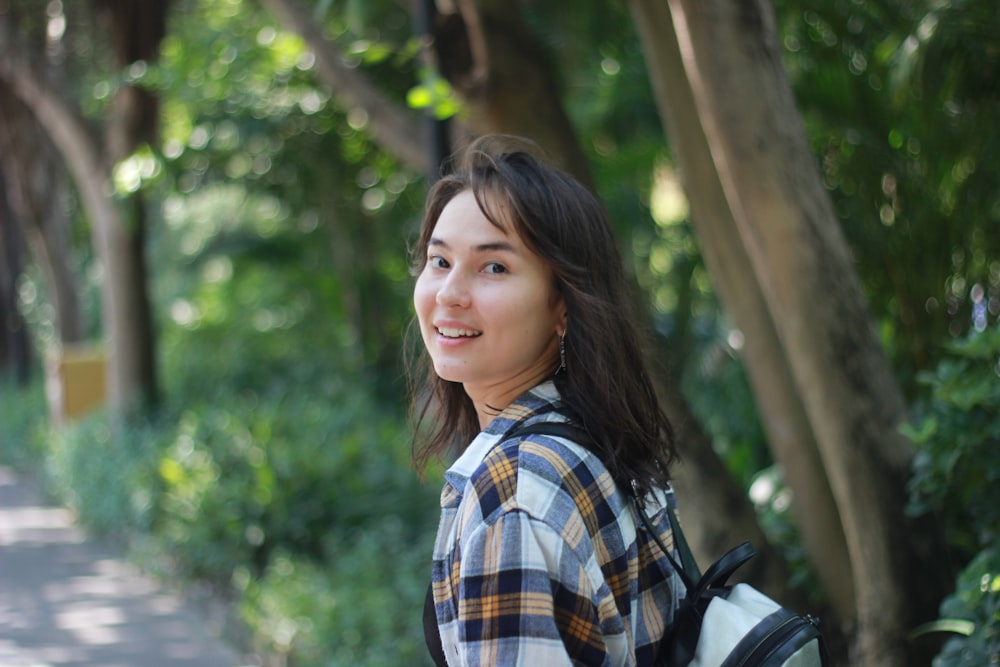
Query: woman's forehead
x: 498, y: 210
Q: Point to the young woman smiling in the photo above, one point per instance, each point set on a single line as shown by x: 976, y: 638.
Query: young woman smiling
x: 524, y: 315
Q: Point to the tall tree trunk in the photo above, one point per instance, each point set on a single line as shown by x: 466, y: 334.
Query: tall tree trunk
x: 752, y: 179
x: 499, y: 69
x: 713, y: 508
x: 36, y: 188
x: 783, y: 416
x: 15, y: 345
x: 137, y: 27
x: 53, y: 106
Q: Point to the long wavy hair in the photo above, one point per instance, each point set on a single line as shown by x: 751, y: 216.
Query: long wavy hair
x: 605, y: 384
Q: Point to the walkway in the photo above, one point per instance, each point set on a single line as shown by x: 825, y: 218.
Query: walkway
x: 66, y: 600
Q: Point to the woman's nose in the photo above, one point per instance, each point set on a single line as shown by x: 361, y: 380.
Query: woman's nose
x: 454, y: 290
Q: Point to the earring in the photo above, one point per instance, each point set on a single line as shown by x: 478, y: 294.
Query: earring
x: 562, y: 353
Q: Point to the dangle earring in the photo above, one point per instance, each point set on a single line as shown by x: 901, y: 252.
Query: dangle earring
x: 562, y: 353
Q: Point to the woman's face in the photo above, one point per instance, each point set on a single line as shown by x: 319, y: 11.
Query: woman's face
x: 489, y: 312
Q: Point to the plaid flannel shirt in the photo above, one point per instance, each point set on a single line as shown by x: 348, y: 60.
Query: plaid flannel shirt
x: 538, y: 562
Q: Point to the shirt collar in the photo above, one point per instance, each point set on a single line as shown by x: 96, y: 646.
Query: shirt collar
x: 542, y: 401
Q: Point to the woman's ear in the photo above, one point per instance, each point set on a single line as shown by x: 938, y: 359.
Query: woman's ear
x: 559, y: 308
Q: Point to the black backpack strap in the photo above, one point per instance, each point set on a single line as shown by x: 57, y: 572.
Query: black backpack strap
x: 718, y: 574
x: 688, y: 573
x: 432, y: 636
x: 559, y: 429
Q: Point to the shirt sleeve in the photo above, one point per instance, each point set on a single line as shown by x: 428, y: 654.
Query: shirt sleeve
x: 524, y: 598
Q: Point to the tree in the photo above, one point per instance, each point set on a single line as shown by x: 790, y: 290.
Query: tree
x: 752, y: 179
x: 15, y: 348
x: 36, y: 187
x: 117, y: 243
x: 137, y: 28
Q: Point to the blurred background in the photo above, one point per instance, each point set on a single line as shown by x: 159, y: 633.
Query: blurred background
x: 206, y: 208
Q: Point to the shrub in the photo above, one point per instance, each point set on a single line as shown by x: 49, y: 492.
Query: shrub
x: 23, y: 422
x: 108, y: 477
x: 973, y: 613
x: 256, y: 475
x: 360, y: 606
x: 957, y: 475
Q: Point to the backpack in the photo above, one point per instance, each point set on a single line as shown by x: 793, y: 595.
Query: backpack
x: 718, y: 625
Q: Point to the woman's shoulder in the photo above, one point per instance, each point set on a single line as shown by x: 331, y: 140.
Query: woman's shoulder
x: 541, y: 475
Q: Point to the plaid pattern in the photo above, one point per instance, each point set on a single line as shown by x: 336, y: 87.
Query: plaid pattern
x: 538, y: 561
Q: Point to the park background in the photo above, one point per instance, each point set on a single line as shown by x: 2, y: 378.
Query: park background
x: 213, y: 200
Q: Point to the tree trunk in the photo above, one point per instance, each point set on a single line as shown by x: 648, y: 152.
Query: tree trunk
x: 15, y: 346
x: 713, y: 509
x: 499, y: 69
x: 763, y: 215
x: 36, y: 188
x: 789, y: 432
x: 65, y: 125
x: 137, y: 27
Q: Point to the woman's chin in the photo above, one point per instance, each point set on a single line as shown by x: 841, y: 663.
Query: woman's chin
x: 450, y: 374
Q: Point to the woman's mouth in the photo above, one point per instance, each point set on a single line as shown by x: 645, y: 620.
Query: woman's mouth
x: 453, y: 332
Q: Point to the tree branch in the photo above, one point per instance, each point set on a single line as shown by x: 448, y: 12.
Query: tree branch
x: 393, y: 128
x: 55, y: 111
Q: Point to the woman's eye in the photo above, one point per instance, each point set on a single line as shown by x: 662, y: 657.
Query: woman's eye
x: 437, y: 262
x: 494, y: 267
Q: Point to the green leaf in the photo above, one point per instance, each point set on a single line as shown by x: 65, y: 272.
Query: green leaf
x: 954, y: 625
x: 419, y: 97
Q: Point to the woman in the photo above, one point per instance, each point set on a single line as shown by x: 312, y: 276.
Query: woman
x: 523, y: 311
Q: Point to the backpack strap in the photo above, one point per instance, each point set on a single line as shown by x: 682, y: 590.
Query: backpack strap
x: 687, y: 569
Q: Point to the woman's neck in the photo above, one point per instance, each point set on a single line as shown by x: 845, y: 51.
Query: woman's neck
x: 491, y: 401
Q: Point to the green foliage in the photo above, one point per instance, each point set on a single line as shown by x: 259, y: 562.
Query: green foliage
x: 251, y: 475
x: 23, y: 424
x: 956, y: 468
x: 900, y: 101
x: 280, y: 209
x: 957, y: 476
x: 360, y: 606
x: 973, y: 613
x: 434, y: 94
x: 108, y: 477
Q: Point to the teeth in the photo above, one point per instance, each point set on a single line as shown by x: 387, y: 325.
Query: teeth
x: 456, y: 333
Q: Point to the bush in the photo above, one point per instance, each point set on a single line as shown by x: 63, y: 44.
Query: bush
x: 957, y: 475
x: 360, y: 606
x: 108, y: 478
x: 23, y: 424
x: 956, y: 471
x: 256, y: 475
x: 305, y: 501
x: 973, y: 613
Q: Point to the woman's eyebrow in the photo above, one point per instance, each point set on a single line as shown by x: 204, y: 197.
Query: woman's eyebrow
x: 493, y: 246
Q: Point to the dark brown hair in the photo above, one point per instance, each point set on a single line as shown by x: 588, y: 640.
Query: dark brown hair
x: 605, y: 385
